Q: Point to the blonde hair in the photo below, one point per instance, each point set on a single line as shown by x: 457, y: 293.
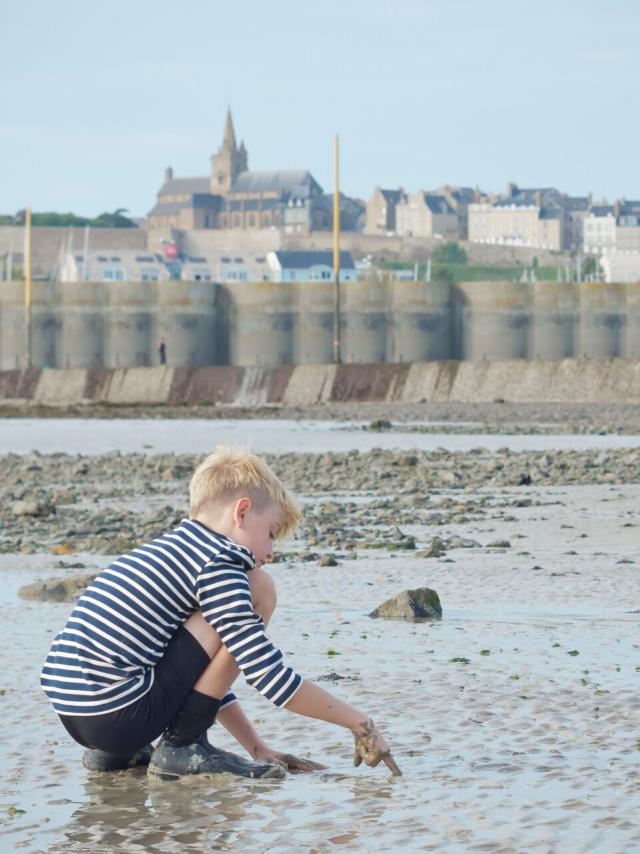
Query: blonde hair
x: 229, y: 473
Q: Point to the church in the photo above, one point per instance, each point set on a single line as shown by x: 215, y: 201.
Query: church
x: 233, y: 197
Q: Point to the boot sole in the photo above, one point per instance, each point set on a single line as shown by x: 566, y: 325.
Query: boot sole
x: 168, y: 776
x: 164, y: 775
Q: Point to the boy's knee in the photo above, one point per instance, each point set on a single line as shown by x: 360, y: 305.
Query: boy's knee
x: 263, y: 593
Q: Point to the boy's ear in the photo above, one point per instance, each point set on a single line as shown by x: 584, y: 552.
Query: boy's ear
x: 243, y: 505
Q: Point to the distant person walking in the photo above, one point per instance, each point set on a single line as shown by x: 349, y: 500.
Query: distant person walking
x: 162, y: 351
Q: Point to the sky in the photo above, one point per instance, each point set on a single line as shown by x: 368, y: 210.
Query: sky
x: 98, y: 98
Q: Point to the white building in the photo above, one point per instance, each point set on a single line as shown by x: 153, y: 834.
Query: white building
x: 224, y: 267
x: 124, y: 265
x: 599, y: 230
x: 613, y: 228
x: 621, y: 266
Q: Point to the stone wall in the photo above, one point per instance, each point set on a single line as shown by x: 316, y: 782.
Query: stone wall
x: 46, y: 242
x: 518, y: 381
x: 266, y: 324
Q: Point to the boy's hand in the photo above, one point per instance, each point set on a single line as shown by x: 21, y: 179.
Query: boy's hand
x: 371, y: 746
x: 289, y: 761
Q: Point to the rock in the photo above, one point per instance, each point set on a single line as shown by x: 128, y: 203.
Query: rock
x: 32, y: 508
x: 499, y: 544
x: 327, y: 560
x: 457, y: 542
x: 437, y: 548
x: 58, y: 589
x: 379, y: 424
x: 330, y: 677
x: 420, y: 604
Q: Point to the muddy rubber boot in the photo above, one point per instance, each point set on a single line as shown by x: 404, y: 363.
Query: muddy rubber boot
x: 100, y: 760
x: 184, y: 749
x: 170, y: 762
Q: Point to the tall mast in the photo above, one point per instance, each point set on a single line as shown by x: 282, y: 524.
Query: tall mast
x: 336, y: 250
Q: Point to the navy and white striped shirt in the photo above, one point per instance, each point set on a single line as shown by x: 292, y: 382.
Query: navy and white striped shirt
x: 104, y: 657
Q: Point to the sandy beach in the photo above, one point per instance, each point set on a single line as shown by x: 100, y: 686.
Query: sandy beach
x: 514, y: 719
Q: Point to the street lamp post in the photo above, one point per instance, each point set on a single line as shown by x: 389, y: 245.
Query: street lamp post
x: 27, y: 287
x: 336, y: 251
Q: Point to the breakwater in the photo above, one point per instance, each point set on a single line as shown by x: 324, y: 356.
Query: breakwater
x: 118, y: 324
x: 518, y: 381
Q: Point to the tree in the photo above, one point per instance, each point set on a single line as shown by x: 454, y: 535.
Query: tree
x: 66, y: 220
x: 449, y: 252
x: 113, y: 220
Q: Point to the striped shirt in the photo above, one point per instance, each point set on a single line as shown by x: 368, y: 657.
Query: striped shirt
x: 104, y: 657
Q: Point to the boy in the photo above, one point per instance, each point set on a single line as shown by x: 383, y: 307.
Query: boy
x: 156, y: 641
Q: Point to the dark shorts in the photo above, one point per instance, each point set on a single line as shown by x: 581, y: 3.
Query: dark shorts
x: 126, y: 730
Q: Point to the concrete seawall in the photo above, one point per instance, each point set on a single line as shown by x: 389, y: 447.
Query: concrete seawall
x: 117, y: 324
x: 515, y: 380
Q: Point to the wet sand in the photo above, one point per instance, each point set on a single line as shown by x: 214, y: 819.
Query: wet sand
x: 514, y: 720
x: 495, y: 417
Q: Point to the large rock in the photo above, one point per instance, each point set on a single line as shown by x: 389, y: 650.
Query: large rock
x: 32, y: 508
x: 58, y: 589
x: 420, y: 604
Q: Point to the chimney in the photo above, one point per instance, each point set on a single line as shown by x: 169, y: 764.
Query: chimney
x: 538, y: 198
x: 512, y: 189
x: 168, y: 174
x: 616, y: 209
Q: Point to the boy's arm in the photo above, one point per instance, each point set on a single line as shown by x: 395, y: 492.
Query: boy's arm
x: 237, y: 724
x: 225, y: 602
x: 312, y: 701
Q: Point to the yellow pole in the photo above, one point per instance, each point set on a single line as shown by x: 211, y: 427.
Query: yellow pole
x: 27, y: 285
x: 336, y: 250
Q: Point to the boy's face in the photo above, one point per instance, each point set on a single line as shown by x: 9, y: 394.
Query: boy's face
x: 257, y: 529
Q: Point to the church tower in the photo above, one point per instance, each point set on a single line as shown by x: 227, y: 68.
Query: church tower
x: 228, y: 162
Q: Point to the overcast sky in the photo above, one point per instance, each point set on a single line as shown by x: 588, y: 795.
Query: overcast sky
x: 98, y: 98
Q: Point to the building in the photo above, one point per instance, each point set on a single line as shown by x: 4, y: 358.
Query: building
x: 621, y: 267
x: 459, y: 198
x: 527, y: 217
x: 381, y: 211
x: 234, y: 197
x: 309, y: 266
x: 599, y: 230
x: 426, y: 215
x: 125, y: 265
x: 612, y: 228
x: 226, y: 268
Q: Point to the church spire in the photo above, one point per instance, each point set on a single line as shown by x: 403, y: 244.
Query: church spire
x: 229, y: 142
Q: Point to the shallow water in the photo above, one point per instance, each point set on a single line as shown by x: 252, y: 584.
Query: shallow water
x: 185, y: 436
x: 544, y: 762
